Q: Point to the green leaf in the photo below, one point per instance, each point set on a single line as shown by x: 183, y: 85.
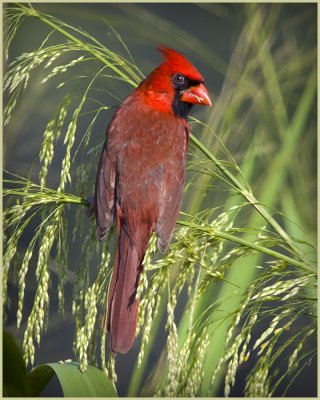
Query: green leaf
x: 39, y: 377
x: 74, y: 383
x: 15, y: 381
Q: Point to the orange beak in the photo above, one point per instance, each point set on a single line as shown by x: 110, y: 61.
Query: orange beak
x: 196, y: 95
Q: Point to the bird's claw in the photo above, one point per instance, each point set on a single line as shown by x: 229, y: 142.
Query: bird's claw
x: 91, y: 208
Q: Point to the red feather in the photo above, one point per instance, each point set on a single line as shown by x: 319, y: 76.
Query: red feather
x: 140, y: 181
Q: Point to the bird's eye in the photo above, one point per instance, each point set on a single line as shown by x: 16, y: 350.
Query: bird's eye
x: 178, y: 79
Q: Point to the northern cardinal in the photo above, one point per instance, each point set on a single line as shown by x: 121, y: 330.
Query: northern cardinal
x: 140, y: 179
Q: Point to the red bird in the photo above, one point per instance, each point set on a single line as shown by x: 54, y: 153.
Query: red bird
x: 140, y: 179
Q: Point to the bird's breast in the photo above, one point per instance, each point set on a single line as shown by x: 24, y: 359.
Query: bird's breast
x: 148, y: 143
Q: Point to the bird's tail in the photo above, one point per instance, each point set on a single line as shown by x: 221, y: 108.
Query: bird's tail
x: 122, y: 303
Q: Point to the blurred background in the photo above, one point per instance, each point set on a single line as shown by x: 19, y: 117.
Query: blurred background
x: 256, y: 60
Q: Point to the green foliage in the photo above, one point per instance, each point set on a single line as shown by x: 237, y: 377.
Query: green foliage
x: 74, y: 383
x: 243, y: 259
x: 17, y: 383
x: 15, y: 379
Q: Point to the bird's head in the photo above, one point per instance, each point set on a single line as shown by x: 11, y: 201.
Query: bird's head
x: 175, y: 85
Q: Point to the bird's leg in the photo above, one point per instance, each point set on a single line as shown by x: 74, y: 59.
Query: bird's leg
x: 91, y: 208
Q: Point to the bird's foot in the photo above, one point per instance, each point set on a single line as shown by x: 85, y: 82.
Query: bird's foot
x: 91, y: 208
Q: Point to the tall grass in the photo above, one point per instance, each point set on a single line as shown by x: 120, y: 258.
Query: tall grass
x: 242, y: 266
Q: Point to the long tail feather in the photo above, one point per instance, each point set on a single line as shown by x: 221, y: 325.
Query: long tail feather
x: 122, y: 302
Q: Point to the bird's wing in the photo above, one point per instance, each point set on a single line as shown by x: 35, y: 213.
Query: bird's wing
x: 169, y: 203
x: 104, y: 193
